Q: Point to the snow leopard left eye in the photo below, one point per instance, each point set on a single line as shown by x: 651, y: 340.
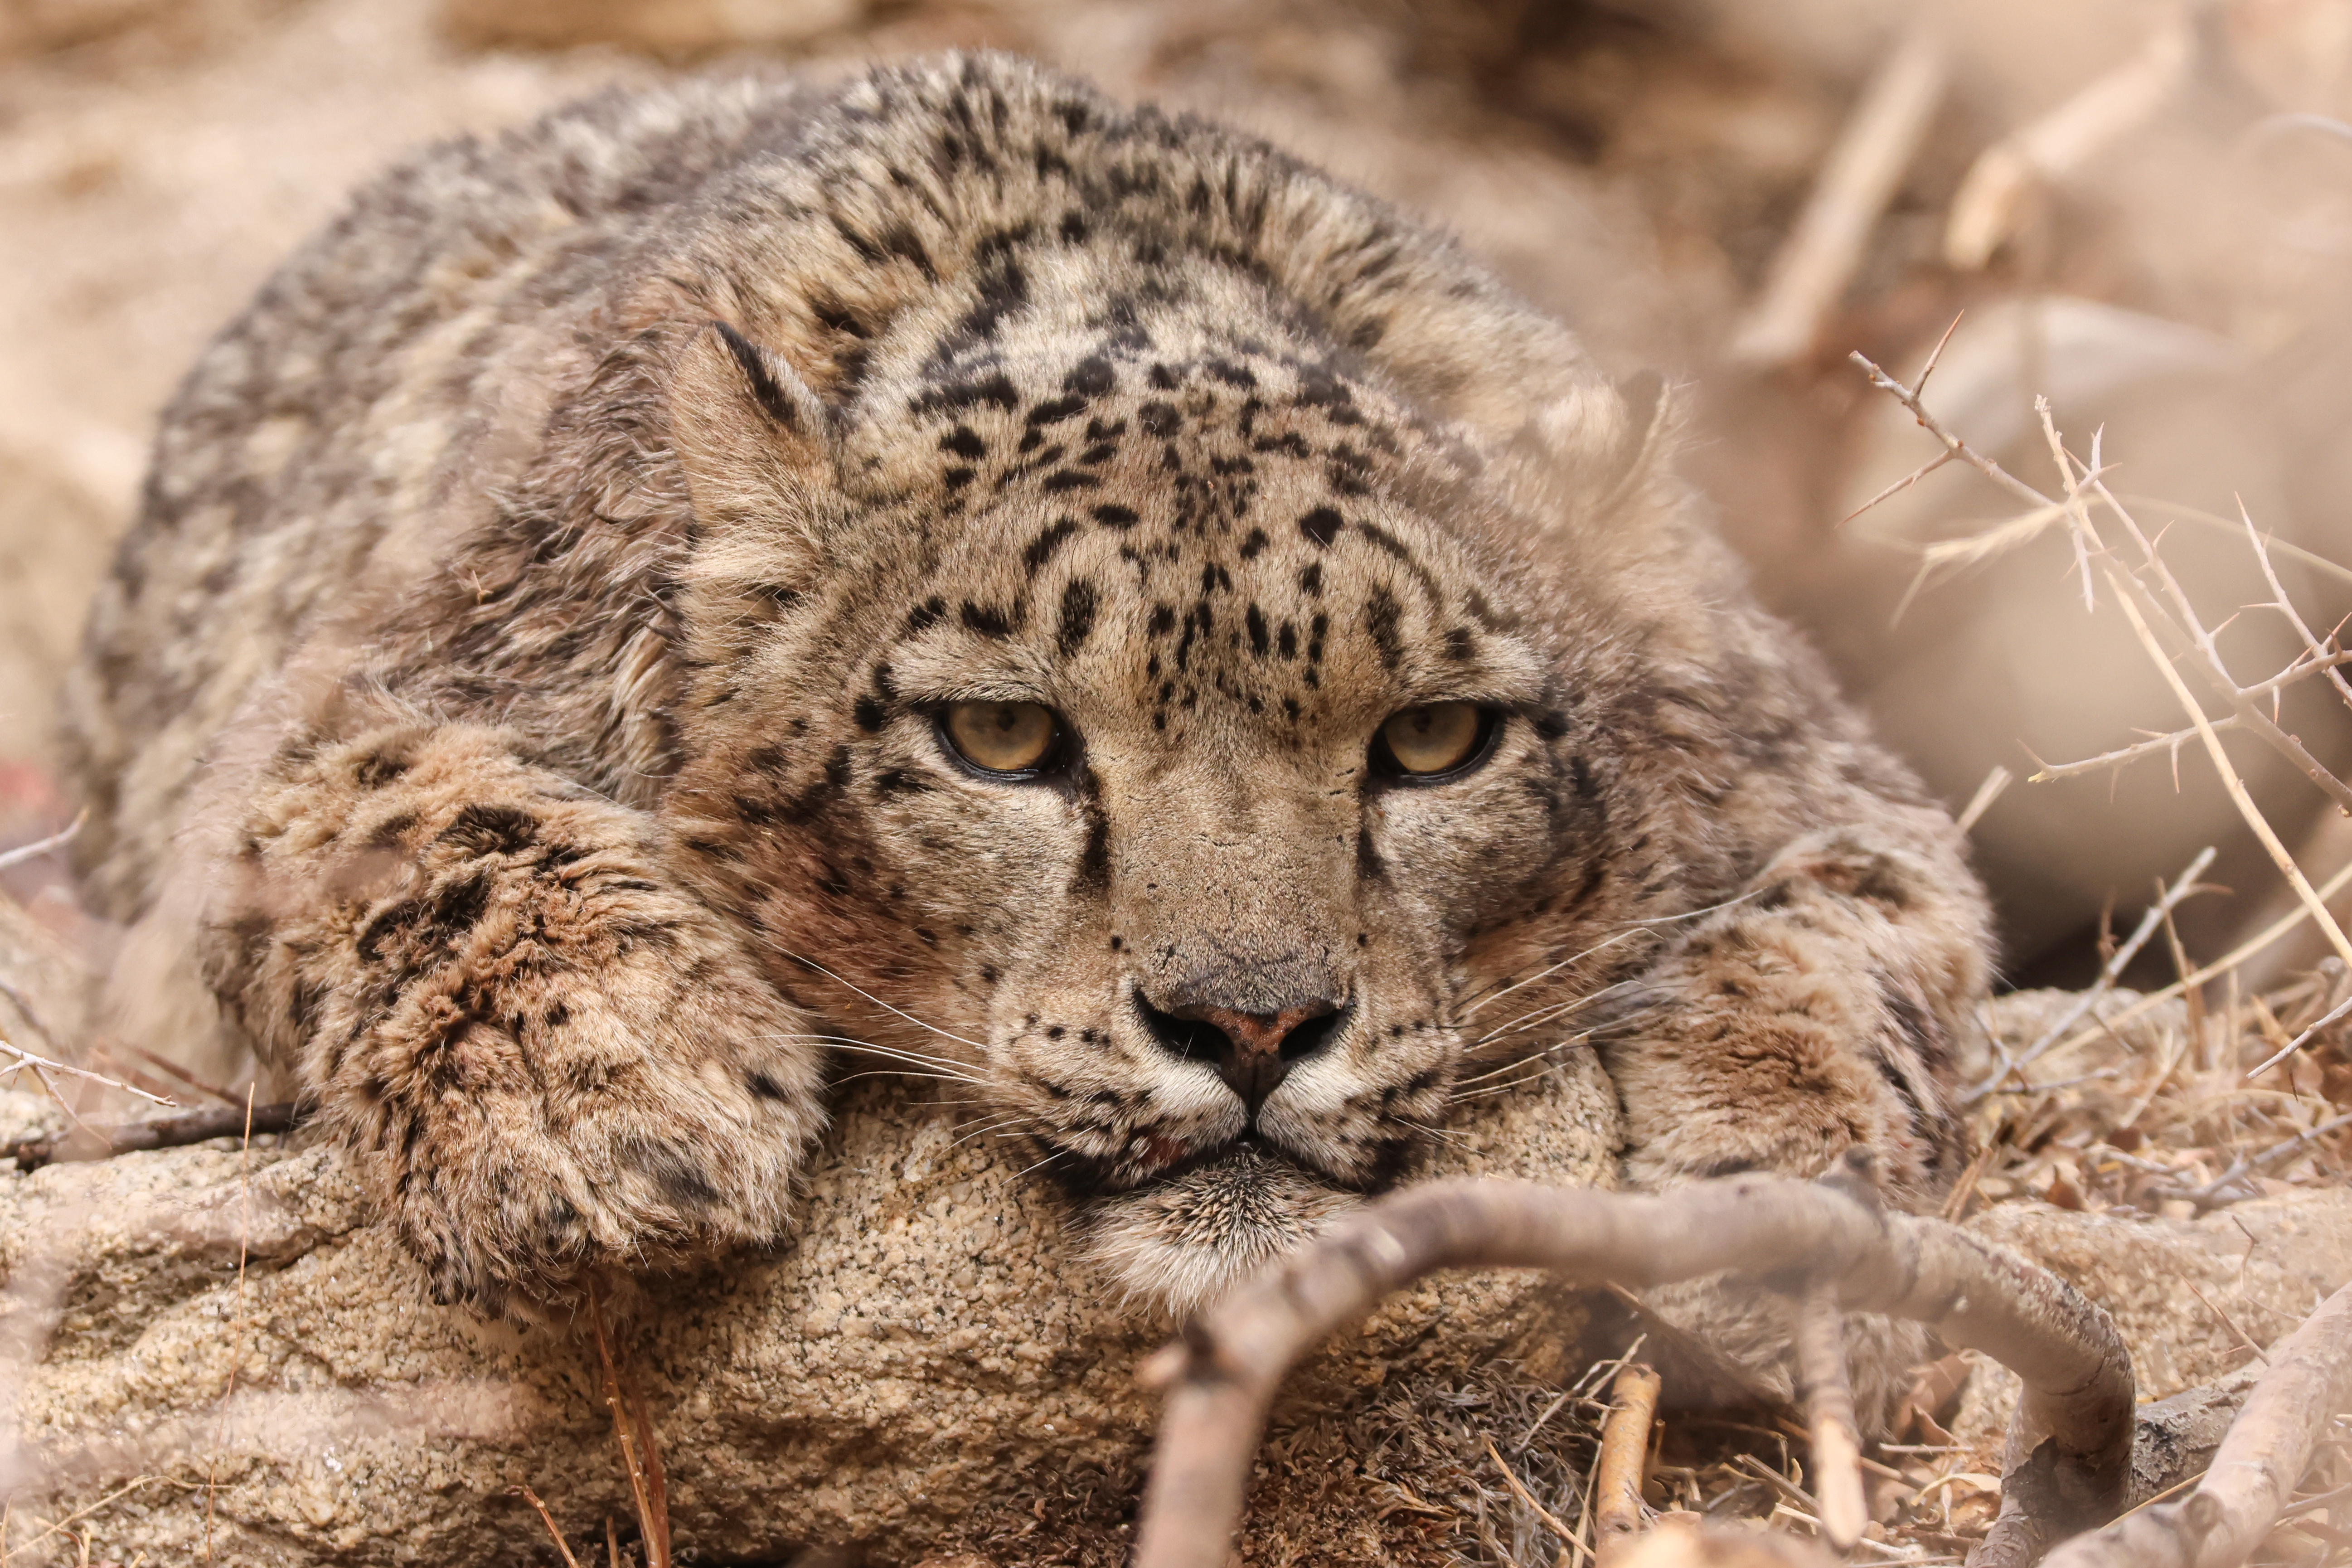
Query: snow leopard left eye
x: 1435, y: 742
x: 1013, y: 739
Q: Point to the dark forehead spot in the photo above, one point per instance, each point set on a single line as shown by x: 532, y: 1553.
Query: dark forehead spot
x: 963, y: 443
x: 1259, y: 639
x: 1068, y: 480
x: 1254, y: 543
x: 1310, y: 578
x: 1460, y: 644
x: 1077, y: 616
x: 1159, y: 418
x: 1041, y: 549
x: 1380, y: 617
x: 1114, y: 516
x: 986, y: 620
x: 1054, y: 412
x: 1322, y: 525
x: 1092, y: 377
x: 927, y: 615
x: 997, y: 390
x: 1385, y: 540
x: 1163, y: 620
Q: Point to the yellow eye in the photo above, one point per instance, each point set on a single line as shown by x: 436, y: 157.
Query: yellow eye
x: 1002, y: 737
x: 1434, y: 739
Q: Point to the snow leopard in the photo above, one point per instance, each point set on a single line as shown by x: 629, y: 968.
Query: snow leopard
x: 941, y: 567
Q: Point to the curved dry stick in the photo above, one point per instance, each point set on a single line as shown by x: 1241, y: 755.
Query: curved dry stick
x: 2254, y: 1472
x: 1820, y: 1336
x: 2073, y: 1426
x: 163, y: 1132
x: 1623, y: 1465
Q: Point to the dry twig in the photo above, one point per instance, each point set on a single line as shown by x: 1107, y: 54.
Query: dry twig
x: 164, y: 1132
x: 2142, y: 604
x: 1985, y: 209
x: 1625, y: 1457
x: 633, y: 1433
x: 531, y: 1497
x: 2269, y: 1448
x: 1828, y: 1410
x: 2109, y: 973
x: 2072, y: 1430
x: 1819, y: 259
x: 40, y: 1067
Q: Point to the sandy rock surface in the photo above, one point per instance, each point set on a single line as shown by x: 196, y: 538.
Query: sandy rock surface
x: 934, y: 1347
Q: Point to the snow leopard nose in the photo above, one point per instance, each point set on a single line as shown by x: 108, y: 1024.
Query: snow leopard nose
x: 1253, y: 1052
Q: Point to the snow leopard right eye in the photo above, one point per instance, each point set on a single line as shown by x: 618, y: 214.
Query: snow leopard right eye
x: 1011, y: 739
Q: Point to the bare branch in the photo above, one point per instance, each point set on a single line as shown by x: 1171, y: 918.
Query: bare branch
x: 41, y: 1065
x: 1820, y: 1336
x: 2254, y: 1471
x: 2321, y: 657
x: 1551, y: 1521
x: 1899, y: 485
x: 1817, y: 261
x: 164, y: 1132
x: 2125, y: 756
x: 1623, y: 1462
x: 531, y: 1497
x: 633, y: 1433
x: 1951, y: 444
x: 2132, y: 594
x: 2207, y: 660
x: 2117, y: 962
x: 2073, y: 1426
x: 2061, y: 142
x: 1996, y: 785
x: 2231, y: 782
x: 2269, y: 934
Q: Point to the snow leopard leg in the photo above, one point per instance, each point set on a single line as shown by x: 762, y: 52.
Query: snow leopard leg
x: 1826, y: 1008
x: 549, y: 1058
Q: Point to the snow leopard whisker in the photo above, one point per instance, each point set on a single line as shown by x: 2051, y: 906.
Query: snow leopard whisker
x: 1057, y: 1154
x: 1538, y: 974
x: 939, y: 1068
x: 829, y: 975
x: 1546, y: 1013
x: 904, y: 1052
x: 996, y: 1127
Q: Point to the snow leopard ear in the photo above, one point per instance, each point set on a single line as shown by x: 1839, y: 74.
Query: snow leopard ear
x: 750, y: 435
x: 1587, y: 452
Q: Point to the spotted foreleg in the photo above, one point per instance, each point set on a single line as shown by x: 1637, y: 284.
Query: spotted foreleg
x: 1823, y: 1009
x: 550, y: 1059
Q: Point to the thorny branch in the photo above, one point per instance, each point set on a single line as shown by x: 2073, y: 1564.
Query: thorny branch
x: 2073, y: 1425
x: 2255, y: 1471
x: 41, y: 1066
x: 2109, y: 973
x: 2140, y: 604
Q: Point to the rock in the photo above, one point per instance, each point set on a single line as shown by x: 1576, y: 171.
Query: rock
x: 930, y: 1351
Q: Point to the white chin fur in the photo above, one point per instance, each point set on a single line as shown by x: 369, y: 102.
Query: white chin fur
x: 1178, y: 1246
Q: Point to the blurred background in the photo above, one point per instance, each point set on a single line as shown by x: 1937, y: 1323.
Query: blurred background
x: 2142, y: 210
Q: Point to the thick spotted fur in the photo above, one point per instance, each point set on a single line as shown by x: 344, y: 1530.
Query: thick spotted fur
x: 520, y: 692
